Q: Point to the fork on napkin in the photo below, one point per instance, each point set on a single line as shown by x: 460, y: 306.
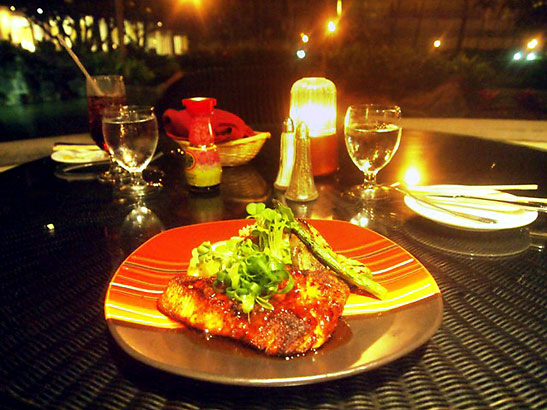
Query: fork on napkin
x: 483, y: 195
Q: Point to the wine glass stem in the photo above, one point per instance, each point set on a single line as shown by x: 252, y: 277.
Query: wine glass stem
x: 370, y: 180
x: 137, y: 179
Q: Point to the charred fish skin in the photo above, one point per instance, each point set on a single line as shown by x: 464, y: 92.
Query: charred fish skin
x: 194, y: 302
x: 302, y: 319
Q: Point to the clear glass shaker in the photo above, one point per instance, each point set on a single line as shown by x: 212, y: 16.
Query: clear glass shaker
x: 302, y: 186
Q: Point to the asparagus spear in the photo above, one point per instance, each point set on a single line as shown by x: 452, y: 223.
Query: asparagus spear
x: 352, y: 271
x: 347, y: 263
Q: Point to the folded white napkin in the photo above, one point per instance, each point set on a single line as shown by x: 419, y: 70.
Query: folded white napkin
x: 78, y: 153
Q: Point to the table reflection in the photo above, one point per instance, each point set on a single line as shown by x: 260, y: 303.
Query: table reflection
x: 137, y: 226
x: 243, y: 184
x: 321, y: 208
x: 205, y: 208
x: 505, y: 243
x: 240, y: 186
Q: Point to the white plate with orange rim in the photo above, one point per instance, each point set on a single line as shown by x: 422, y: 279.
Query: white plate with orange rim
x: 370, y: 333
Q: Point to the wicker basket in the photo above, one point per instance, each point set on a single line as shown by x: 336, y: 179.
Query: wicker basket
x: 237, y: 152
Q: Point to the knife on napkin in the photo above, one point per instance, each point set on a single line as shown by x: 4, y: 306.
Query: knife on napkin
x: 486, y: 194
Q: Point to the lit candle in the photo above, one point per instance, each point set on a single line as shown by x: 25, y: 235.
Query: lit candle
x: 313, y: 101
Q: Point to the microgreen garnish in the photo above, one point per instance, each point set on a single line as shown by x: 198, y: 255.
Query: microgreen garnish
x: 254, y: 266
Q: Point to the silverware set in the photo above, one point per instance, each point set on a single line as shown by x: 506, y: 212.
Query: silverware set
x: 96, y: 163
x: 483, y: 197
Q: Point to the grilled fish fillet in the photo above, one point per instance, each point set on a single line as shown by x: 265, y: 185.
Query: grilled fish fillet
x: 302, y: 319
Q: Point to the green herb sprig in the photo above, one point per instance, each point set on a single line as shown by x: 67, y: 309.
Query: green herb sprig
x: 252, y: 267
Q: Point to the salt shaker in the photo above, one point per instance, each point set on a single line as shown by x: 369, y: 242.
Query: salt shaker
x: 286, y: 155
x: 302, y: 186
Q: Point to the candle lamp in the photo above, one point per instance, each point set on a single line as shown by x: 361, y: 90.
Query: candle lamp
x: 313, y: 101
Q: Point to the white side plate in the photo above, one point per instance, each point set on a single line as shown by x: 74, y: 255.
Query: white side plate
x: 79, y: 156
x: 507, y: 216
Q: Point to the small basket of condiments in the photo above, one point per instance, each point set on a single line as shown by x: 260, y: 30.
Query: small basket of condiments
x: 237, y: 152
x: 237, y: 143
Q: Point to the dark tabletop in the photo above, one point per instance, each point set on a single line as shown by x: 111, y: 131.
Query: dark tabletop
x: 61, y: 239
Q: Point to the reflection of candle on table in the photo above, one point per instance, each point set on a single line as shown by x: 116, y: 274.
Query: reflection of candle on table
x: 313, y: 101
x: 205, y: 208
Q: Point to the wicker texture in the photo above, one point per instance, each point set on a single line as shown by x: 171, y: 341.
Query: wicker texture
x: 237, y: 152
x: 56, y: 351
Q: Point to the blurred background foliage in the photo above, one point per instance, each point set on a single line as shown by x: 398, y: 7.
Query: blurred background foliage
x: 394, y: 71
x: 382, y: 50
x: 376, y: 58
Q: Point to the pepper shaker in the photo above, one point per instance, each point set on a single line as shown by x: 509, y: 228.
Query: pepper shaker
x: 302, y: 186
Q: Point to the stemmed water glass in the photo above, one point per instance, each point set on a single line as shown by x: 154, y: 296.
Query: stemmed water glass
x: 104, y: 91
x: 372, y: 134
x: 131, y: 136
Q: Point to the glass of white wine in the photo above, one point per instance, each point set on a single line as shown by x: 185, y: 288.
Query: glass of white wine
x: 372, y: 134
x: 131, y: 137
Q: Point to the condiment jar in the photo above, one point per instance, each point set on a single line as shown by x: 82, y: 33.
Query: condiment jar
x: 202, y: 161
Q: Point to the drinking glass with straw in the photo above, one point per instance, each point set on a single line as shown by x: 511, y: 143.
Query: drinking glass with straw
x: 102, y: 91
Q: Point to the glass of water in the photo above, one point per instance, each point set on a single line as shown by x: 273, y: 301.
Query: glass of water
x: 131, y: 137
x: 372, y: 134
x: 104, y: 91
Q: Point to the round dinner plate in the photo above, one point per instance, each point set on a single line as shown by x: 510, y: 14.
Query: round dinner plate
x: 79, y: 156
x: 370, y: 334
x: 507, y: 216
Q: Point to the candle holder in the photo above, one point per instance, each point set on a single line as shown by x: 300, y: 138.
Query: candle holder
x: 313, y: 102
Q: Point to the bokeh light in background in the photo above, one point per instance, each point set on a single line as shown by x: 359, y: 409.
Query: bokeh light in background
x: 414, y: 170
x: 28, y: 45
x: 301, y: 54
x: 331, y: 26
x: 195, y: 3
x: 360, y: 219
x: 412, y: 176
x: 437, y: 43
